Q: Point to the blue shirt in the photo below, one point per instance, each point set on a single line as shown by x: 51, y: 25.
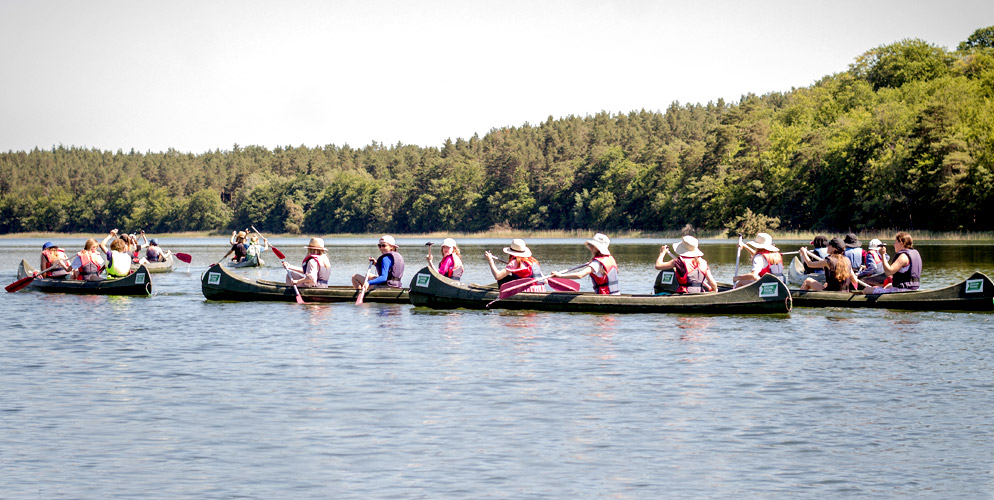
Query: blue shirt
x: 385, y: 266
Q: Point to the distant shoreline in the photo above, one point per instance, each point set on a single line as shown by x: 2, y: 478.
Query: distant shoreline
x: 883, y: 234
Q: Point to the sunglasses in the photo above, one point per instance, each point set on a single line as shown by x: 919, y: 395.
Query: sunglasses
x: 382, y: 245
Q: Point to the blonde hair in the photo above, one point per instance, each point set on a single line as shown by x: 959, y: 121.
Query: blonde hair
x: 90, y: 244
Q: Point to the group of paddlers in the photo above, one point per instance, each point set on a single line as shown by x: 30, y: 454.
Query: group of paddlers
x: 842, y: 261
x: 97, y: 260
x: 847, y: 266
x: 246, y: 250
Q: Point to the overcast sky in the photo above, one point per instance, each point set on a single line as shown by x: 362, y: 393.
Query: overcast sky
x: 203, y: 75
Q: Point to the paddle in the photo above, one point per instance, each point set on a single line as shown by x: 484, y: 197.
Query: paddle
x: 184, y: 257
x: 275, y: 250
x: 365, y: 283
x: 515, y: 287
x: 300, y: 298
x: 25, y: 281
x: 738, y: 254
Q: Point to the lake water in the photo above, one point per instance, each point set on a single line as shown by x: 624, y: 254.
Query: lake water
x: 173, y: 396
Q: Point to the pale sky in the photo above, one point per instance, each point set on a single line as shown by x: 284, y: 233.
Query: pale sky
x: 203, y: 75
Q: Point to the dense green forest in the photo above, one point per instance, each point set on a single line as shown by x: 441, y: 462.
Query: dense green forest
x: 903, y: 139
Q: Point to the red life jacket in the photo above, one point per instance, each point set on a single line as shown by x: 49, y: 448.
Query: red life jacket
x: 58, y: 272
x: 607, y: 284
x: 87, y: 267
x: 774, y: 263
x: 693, y: 275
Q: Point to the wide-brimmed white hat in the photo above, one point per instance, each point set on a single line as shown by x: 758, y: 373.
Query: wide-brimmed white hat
x: 687, y: 247
x: 449, y: 242
x: 875, y: 244
x: 386, y: 238
x: 600, y: 241
x: 315, y: 244
x: 518, y: 248
x: 765, y: 242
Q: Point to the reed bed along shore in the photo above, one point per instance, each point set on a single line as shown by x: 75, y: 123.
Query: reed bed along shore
x: 882, y: 234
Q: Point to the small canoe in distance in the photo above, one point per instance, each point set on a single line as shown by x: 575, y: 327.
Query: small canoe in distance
x: 136, y: 283
x: 220, y: 284
x: 767, y: 296
x: 249, y: 262
x: 976, y: 293
x: 796, y: 274
x: 165, y: 266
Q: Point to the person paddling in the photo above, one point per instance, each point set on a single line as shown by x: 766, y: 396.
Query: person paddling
x: 315, y: 269
x: 155, y: 254
x: 520, y: 265
x: 389, y: 267
x: 118, y: 259
x: 451, y: 264
x: 839, y: 275
x: 766, y: 259
x: 905, y: 270
x: 52, y: 255
x: 602, y: 268
x: 88, y: 263
x: 692, y: 272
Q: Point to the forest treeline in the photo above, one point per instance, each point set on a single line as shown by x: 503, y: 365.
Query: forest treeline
x: 903, y: 139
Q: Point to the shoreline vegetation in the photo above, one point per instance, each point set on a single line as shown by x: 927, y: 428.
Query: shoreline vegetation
x: 903, y: 138
x: 885, y: 235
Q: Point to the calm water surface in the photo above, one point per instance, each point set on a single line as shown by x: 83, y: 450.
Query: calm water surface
x: 172, y: 396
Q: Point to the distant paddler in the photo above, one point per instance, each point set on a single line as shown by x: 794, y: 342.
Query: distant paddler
x: 602, y: 268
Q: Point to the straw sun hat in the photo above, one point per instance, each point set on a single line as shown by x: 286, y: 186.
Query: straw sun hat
x: 600, y: 241
x: 687, y: 247
x: 518, y: 248
x: 764, y: 241
x: 316, y: 244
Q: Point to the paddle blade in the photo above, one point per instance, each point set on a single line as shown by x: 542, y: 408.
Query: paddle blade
x: 300, y: 298
x: 361, y: 297
x: 515, y: 287
x: 277, y: 251
x: 184, y: 257
x: 564, y: 285
x: 19, y: 284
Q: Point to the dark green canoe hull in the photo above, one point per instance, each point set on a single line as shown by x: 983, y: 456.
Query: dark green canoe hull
x: 976, y: 293
x: 767, y: 296
x: 219, y: 284
x: 136, y: 283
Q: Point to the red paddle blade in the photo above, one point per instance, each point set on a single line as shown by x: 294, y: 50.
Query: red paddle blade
x: 361, y: 297
x: 184, y: 257
x: 300, y: 299
x: 515, y: 287
x: 564, y: 285
x: 277, y: 251
x: 19, y: 284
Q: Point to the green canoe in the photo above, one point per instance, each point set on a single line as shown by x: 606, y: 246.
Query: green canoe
x: 976, y: 293
x: 769, y: 295
x: 138, y: 282
x: 219, y: 284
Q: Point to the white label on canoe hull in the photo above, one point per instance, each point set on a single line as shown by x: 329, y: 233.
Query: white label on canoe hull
x: 768, y: 290
x: 667, y: 277
x: 213, y: 278
x: 974, y: 286
x: 140, y: 279
x: 423, y: 280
